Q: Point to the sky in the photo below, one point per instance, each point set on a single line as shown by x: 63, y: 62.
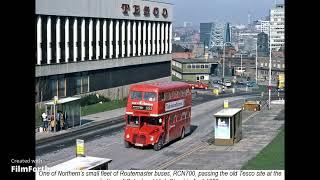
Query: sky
x: 233, y: 11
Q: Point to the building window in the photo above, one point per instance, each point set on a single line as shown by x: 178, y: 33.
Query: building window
x: 206, y: 66
x: 61, y: 87
x: 82, y: 84
x: 53, y: 88
x: 78, y: 85
x: 193, y: 66
x: 198, y: 66
x: 202, y: 66
x: 188, y: 66
x: 85, y: 84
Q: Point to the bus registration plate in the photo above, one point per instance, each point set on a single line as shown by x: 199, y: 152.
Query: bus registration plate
x: 138, y: 144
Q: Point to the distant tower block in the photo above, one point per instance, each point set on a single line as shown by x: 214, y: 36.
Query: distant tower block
x: 249, y: 18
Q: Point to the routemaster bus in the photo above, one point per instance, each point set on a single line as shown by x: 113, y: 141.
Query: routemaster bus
x: 157, y: 114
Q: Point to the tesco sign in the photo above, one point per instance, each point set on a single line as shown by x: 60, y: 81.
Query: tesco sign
x: 136, y: 10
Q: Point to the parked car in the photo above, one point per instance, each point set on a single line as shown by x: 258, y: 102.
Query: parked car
x: 199, y: 85
x: 227, y: 84
x: 251, y: 84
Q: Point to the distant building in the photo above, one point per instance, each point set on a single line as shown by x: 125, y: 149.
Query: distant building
x: 277, y: 27
x: 263, y: 45
x: 205, y: 32
x: 277, y: 67
x: 265, y: 26
x: 227, y: 33
x: 187, y: 24
x: 215, y: 34
x: 179, y: 52
x: 194, y: 70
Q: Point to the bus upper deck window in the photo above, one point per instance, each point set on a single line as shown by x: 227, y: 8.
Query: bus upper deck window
x: 161, y: 96
x: 136, y: 95
x: 150, y: 96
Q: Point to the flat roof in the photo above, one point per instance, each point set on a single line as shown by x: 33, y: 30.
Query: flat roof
x: 228, y: 112
x: 81, y: 163
x: 196, y: 60
x: 63, y: 100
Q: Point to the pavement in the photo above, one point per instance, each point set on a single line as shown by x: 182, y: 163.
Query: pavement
x: 86, y: 121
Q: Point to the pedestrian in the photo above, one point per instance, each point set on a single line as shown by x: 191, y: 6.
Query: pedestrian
x: 58, y: 115
x: 65, y: 118
x: 61, y: 121
x: 52, y: 123
x: 44, y: 121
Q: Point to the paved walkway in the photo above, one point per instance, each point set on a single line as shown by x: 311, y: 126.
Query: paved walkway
x: 85, y: 121
x: 258, y: 131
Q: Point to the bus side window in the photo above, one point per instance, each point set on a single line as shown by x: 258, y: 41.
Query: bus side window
x: 184, y: 115
x: 183, y: 92
x: 161, y: 96
x: 171, y: 119
x: 128, y: 119
x: 171, y: 95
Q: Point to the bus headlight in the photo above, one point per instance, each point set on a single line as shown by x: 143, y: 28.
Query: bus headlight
x: 151, y: 138
x: 127, y: 136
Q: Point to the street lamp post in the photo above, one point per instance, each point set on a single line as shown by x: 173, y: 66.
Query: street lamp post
x: 270, y: 61
x: 257, y: 62
x: 241, y: 64
x: 224, y: 57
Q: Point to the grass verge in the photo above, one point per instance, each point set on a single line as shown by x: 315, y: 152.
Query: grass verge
x: 106, y: 106
x: 271, y: 157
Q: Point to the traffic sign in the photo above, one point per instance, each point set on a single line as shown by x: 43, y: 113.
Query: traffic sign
x: 80, y: 151
x: 226, y: 104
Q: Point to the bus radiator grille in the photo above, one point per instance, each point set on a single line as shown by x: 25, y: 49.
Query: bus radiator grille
x: 139, y: 139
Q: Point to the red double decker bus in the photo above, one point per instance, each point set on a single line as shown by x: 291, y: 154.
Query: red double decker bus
x: 157, y: 114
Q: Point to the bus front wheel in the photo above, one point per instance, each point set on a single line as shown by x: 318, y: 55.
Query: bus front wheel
x: 157, y: 146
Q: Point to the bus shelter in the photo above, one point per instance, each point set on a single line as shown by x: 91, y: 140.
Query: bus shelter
x: 84, y: 163
x: 228, y: 126
x: 69, y: 109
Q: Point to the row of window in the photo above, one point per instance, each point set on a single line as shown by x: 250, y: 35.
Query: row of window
x: 197, y: 66
x: 164, y: 96
x: 175, y: 73
x: 58, y: 86
x: 177, y: 64
x: 180, y: 116
x: 278, y: 40
x: 64, y: 39
x: 272, y: 72
x: 274, y: 65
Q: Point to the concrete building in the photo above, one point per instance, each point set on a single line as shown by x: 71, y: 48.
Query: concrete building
x: 193, y: 70
x: 263, y: 45
x: 86, y: 46
x: 265, y: 26
x: 277, y: 27
x: 205, y: 32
